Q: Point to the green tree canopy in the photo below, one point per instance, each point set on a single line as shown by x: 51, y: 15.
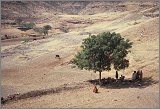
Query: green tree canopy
x: 47, y: 27
x: 101, y: 51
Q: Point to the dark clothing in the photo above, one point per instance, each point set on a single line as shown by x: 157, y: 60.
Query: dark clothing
x: 116, y: 75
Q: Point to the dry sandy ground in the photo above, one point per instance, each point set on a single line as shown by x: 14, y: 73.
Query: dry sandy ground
x: 32, y: 65
x: 84, y: 98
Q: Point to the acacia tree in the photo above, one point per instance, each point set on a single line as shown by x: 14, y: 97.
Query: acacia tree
x: 46, y: 28
x: 43, y: 30
x: 101, y: 51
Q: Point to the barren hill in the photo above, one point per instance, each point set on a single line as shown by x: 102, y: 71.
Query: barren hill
x: 40, y: 9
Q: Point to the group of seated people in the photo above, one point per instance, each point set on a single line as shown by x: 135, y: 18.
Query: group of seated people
x: 136, y: 76
x: 121, y: 77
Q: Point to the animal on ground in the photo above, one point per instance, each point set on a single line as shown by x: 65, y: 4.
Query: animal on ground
x: 57, y: 56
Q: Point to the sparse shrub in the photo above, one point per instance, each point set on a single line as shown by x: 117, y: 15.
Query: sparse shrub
x: 3, y: 37
x: 18, y: 21
x: 73, y: 66
x: 64, y: 29
x: 135, y: 23
x: 39, y: 30
x: 29, y: 25
x: 7, y: 37
x: 26, y: 40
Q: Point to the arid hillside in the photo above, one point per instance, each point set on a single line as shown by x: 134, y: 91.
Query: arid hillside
x: 37, y: 9
x: 29, y: 64
x: 52, y: 13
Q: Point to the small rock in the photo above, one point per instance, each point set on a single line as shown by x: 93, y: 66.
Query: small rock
x: 138, y: 97
x: 115, y: 100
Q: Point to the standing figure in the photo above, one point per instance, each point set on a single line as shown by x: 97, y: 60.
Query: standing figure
x: 134, y: 75
x: 140, y: 75
x: 137, y: 76
x: 116, y: 74
x: 95, y: 90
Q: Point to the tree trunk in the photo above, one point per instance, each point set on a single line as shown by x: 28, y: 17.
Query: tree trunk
x: 100, y: 78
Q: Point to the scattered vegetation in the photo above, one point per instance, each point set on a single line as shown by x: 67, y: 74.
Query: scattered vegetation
x: 3, y: 37
x: 64, y: 29
x: 29, y: 25
x: 101, y: 51
x: 39, y: 30
x: 24, y: 25
x: 135, y: 23
x: 18, y: 21
x: 25, y: 41
x: 43, y: 30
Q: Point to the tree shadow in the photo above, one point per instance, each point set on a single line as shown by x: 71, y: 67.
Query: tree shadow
x: 127, y: 83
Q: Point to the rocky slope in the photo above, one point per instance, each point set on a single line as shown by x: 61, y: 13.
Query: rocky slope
x: 38, y: 9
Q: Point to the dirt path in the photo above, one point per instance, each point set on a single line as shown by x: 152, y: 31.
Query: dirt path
x: 108, y: 98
